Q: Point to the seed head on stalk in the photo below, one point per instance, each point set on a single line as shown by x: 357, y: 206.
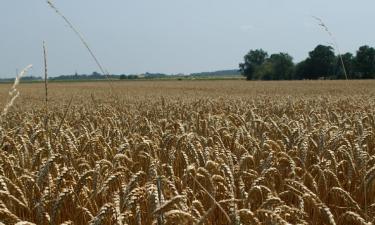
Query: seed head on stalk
x: 14, y: 93
x: 335, y: 44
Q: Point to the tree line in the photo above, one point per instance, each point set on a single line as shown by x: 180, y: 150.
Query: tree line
x: 322, y: 63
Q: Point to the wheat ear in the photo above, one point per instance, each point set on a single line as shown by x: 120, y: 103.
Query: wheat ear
x: 14, y: 93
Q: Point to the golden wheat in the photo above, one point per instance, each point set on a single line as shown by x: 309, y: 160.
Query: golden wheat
x: 207, y: 152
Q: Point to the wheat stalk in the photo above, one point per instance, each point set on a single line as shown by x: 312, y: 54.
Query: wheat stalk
x: 325, y: 27
x: 45, y: 86
x: 14, y: 93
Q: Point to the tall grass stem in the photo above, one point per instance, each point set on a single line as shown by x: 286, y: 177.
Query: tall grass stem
x: 45, y: 85
x: 336, y: 45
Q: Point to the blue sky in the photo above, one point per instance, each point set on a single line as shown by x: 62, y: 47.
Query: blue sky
x: 172, y: 36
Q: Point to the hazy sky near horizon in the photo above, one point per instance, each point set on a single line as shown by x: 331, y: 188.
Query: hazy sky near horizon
x: 172, y: 36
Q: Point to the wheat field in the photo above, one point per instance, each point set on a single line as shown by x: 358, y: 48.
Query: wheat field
x: 189, y: 152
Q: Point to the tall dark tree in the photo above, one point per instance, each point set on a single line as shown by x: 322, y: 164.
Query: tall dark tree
x: 365, y: 62
x: 300, y: 70
x: 277, y: 67
x: 320, y: 63
x: 96, y: 74
x: 252, y: 60
x: 348, y: 61
x: 282, y: 64
x: 264, y: 72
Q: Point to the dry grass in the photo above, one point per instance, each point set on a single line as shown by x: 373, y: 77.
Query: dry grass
x: 182, y: 152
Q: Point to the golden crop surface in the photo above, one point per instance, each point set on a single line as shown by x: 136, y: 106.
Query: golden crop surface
x: 189, y: 152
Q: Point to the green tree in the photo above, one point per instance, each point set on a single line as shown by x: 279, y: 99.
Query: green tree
x: 348, y: 61
x: 320, y: 63
x: 365, y: 62
x: 96, y: 74
x: 283, y: 66
x: 300, y: 70
x: 277, y: 67
x: 252, y: 61
x: 264, y: 72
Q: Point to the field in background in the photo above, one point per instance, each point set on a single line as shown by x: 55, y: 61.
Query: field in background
x: 33, y: 93
x: 189, y: 152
